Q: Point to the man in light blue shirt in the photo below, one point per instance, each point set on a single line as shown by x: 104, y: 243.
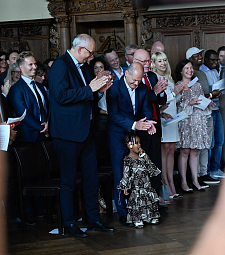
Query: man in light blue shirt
x: 209, y: 68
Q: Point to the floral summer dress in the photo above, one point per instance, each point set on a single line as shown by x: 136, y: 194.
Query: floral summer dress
x: 142, y: 203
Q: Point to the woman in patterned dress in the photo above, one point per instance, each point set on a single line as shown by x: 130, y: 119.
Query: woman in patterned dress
x: 142, y: 204
x: 193, y: 129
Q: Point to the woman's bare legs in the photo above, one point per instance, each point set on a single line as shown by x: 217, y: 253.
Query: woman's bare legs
x: 168, y: 165
x: 182, y: 165
x: 193, y: 162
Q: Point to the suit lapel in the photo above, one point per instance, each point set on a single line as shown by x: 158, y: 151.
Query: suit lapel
x: 73, y: 68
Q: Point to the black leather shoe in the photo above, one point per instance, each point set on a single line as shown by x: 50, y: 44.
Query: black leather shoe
x: 123, y: 222
x: 73, y: 230
x: 100, y: 226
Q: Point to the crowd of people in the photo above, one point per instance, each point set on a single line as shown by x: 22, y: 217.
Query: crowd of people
x: 138, y: 105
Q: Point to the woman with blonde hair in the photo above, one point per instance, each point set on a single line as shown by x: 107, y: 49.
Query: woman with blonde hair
x: 170, y: 134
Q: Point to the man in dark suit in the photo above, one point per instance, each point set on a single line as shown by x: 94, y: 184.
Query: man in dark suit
x: 129, y: 54
x: 114, y: 64
x: 128, y: 110
x: 156, y: 97
x: 71, y: 126
x: 29, y: 95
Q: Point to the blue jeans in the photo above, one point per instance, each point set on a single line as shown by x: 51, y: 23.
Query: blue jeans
x: 215, y: 151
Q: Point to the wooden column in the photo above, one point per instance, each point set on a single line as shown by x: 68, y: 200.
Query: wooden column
x: 130, y: 27
x: 64, y: 32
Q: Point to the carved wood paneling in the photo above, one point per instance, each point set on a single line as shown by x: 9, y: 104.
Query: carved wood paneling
x: 184, y: 28
x: 28, y: 35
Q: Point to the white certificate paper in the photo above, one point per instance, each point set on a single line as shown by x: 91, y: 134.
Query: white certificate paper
x: 16, y: 120
x: 176, y: 118
x: 219, y: 85
x: 4, y: 137
x: 204, y: 103
x: 191, y: 83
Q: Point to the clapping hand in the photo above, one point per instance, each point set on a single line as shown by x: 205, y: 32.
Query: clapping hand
x: 160, y: 86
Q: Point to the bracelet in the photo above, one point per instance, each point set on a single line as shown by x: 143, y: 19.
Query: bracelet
x: 211, y: 96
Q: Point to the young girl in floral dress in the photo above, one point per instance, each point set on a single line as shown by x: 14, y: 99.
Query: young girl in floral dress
x: 142, y: 204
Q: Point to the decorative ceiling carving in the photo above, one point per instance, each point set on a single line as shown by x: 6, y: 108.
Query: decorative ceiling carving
x: 175, y: 21
x: 30, y: 30
x: 71, y: 6
x: 56, y: 6
x: 6, y: 32
x: 211, y: 19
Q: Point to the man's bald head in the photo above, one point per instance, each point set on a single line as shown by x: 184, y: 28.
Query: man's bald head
x: 134, y: 74
x: 157, y: 46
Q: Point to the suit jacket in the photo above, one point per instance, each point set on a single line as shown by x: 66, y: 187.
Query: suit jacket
x: 5, y: 108
x: 71, y: 102
x: 119, y: 105
x: 20, y: 98
x: 157, y: 99
x: 3, y: 76
x: 116, y: 77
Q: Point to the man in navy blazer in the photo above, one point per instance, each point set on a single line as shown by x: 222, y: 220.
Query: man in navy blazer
x: 156, y: 97
x: 71, y: 126
x: 22, y: 96
x: 128, y: 109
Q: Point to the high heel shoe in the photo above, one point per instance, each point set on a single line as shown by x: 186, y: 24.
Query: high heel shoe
x: 189, y: 190
x: 201, y: 188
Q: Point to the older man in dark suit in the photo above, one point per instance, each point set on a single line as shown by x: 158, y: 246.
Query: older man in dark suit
x: 71, y: 126
x: 129, y: 110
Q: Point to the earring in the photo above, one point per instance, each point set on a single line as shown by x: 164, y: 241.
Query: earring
x: 131, y: 146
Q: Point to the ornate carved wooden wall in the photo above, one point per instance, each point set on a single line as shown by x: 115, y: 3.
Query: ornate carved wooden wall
x: 109, y: 22
x: 116, y: 23
x: 27, y: 35
x: 182, y: 29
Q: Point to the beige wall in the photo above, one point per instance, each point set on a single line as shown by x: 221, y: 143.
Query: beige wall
x: 13, y: 10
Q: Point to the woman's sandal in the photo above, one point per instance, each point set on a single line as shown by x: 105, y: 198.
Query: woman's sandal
x: 154, y: 221
x: 138, y: 225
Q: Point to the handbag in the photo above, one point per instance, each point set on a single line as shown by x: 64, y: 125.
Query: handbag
x: 164, y: 191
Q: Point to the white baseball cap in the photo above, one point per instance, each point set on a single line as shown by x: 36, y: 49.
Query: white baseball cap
x: 192, y: 51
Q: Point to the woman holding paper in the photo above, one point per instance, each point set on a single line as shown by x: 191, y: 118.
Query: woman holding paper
x: 170, y: 134
x: 193, y: 129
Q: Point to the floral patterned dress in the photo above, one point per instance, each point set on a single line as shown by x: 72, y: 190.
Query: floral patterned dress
x: 142, y: 203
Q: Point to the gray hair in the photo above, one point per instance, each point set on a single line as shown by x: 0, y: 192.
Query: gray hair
x: 81, y: 40
x: 130, y: 47
x: 9, y: 72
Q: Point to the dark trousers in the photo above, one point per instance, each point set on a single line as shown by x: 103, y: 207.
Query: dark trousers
x: 151, y: 144
x: 117, y: 152
x: 74, y: 155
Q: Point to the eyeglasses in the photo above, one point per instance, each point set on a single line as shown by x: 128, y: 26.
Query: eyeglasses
x: 16, y: 72
x: 2, y: 59
x: 144, y: 61
x: 91, y: 52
